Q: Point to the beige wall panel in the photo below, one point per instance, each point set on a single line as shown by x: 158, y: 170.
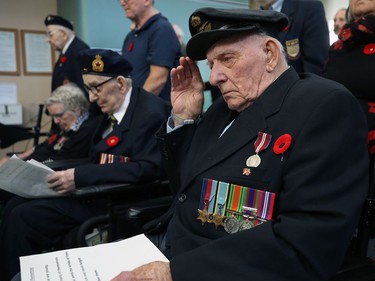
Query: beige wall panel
x: 31, y: 90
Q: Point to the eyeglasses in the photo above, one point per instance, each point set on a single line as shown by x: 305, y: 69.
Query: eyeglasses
x: 49, y: 34
x: 58, y: 115
x: 95, y: 90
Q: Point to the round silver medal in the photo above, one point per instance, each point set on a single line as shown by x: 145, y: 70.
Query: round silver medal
x: 246, y: 224
x: 253, y: 161
x: 231, y: 225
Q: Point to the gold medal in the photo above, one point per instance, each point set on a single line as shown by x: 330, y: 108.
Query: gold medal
x: 218, y: 220
x: 203, y: 216
x: 253, y: 161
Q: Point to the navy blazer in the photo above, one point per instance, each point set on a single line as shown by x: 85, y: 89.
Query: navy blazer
x: 306, y: 40
x: 133, y: 138
x: 320, y: 183
x: 69, y: 70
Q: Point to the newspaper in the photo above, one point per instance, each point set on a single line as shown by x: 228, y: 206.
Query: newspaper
x: 101, y: 262
x: 27, y: 179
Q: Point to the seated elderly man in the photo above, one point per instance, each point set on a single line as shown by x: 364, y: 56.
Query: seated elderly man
x: 268, y: 186
x: 123, y: 152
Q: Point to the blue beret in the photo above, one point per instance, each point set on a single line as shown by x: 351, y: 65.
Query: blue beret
x: 57, y: 20
x: 209, y: 25
x: 104, y: 63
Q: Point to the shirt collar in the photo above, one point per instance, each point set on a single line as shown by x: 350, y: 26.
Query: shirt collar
x: 122, y: 110
x: 67, y: 45
x: 148, y: 22
x: 278, y: 5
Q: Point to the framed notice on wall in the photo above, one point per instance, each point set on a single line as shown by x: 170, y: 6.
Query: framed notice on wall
x: 37, y: 54
x: 9, y: 52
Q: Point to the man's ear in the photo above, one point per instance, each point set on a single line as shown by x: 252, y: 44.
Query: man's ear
x: 122, y: 84
x: 272, y: 54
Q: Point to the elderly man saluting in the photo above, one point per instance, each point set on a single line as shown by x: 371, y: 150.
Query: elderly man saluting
x: 268, y: 188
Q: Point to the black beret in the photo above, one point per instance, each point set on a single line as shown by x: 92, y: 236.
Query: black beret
x: 209, y: 25
x: 104, y: 63
x: 57, y: 20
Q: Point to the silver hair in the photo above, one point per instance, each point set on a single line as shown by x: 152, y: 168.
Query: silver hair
x: 71, y: 97
x: 261, y: 35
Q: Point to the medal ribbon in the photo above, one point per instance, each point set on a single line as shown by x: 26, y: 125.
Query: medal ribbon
x: 263, y: 202
x: 221, y: 197
x: 262, y: 142
x: 211, y: 204
x: 106, y: 158
x: 205, y: 194
x: 237, y: 199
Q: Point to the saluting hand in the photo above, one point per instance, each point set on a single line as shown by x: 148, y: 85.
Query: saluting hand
x: 187, y: 90
x: 62, y: 181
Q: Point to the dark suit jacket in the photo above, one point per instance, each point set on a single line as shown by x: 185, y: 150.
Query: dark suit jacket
x: 134, y: 138
x: 307, y: 38
x: 77, y: 144
x: 70, y: 70
x: 320, y: 183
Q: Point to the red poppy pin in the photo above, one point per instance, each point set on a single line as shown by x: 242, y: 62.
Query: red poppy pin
x: 282, y: 144
x: 130, y: 47
x: 338, y: 45
x: 112, y: 141
x: 52, y: 139
x: 345, y: 34
x: 63, y: 59
x: 369, y: 49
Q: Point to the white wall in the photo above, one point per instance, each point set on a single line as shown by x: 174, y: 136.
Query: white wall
x: 331, y: 7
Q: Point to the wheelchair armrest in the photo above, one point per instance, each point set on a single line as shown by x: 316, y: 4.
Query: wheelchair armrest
x: 67, y: 164
x: 115, y: 189
x: 149, y: 209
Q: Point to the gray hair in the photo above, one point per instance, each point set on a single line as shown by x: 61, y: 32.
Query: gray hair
x: 71, y: 97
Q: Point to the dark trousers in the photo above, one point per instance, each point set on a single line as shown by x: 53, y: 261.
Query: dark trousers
x: 33, y: 226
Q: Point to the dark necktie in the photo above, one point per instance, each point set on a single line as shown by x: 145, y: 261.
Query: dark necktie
x: 113, y: 120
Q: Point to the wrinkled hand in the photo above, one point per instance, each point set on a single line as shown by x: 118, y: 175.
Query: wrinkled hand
x: 62, y: 181
x: 187, y: 89
x: 3, y: 160
x: 154, y: 271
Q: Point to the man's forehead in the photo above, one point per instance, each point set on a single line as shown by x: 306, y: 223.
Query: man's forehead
x: 91, y: 78
x: 53, y: 27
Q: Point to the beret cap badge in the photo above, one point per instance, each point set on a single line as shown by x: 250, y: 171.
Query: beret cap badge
x: 98, y: 64
x: 196, y: 22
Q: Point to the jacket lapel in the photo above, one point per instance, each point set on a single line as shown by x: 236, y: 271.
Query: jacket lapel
x: 243, y: 132
x: 119, y: 129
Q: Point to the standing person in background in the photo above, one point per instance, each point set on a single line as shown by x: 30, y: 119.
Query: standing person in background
x: 306, y: 39
x: 151, y: 47
x: 62, y: 38
x: 351, y: 60
x: 339, y: 20
x: 180, y: 35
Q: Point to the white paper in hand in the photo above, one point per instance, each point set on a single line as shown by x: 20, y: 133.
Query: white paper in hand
x: 26, y: 179
x: 100, y: 263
